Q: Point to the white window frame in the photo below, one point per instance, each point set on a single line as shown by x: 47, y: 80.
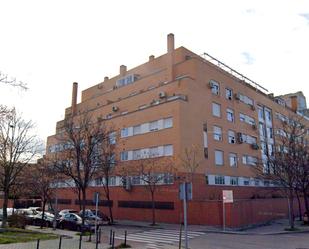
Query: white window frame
x: 219, y: 158
x: 217, y: 133
x: 215, y: 87
x: 233, y: 159
x: 230, y: 115
x: 231, y: 137
x: 228, y: 93
x: 216, y: 110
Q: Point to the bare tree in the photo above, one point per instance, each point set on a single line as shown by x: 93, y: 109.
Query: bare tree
x: 106, y: 164
x: 78, y: 159
x: 152, y: 173
x: 39, y: 180
x: 190, y: 160
x: 282, y: 166
x: 18, y: 146
x: 5, y: 79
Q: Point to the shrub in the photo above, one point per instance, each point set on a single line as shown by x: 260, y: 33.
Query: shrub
x: 17, y: 220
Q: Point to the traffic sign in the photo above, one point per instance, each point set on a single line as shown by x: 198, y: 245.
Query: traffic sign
x: 227, y: 196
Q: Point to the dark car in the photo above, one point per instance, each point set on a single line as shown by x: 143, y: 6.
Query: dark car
x: 91, y: 215
x: 73, y: 221
x: 47, y: 219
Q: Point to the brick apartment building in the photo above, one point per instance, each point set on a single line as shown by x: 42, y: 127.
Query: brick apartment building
x: 175, y: 101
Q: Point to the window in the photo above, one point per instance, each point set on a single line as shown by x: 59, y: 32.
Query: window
x: 261, y: 114
x: 168, y: 150
x: 215, y: 88
x: 217, y: 133
x: 124, y: 156
x: 230, y: 115
x: 112, y: 138
x: 231, y: 137
x: 168, y: 178
x: 246, y: 181
x: 112, y: 181
x: 216, y: 110
x: 269, y: 132
x: 233, y: 159
x: 262, y: 130
x: 136, y: 154
x: 228, y: 93
x: 242, y: 117
x: 136, y: 180
x: 268, y: 115
x: 154, y: 152
x: 136, y: 130
x: 219, y: 157
x: 124, y: 132
x: 234, y: 180
x: 153, y: 126
x: 168, y: 123
x: 264, y: 148
x: 219, y: 180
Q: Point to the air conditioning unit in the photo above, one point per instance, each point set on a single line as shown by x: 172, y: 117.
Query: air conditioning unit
x: 239, y: 138
x: 162, y: 95
x: 237, y: 96
x: 255, y: 146
x: 115, y: 108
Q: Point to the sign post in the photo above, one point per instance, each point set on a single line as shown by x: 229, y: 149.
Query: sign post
x: 96, y: 199
x: 185, y: 194
x: 227, y: 197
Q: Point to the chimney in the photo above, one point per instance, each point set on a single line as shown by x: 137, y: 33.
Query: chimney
x: 151, y: 57
x: 170, y: 55
x: 123, y: 70
x: 106, y: 78
x: 74, y: 98
x: 294, y: 103
x: 170, y: 43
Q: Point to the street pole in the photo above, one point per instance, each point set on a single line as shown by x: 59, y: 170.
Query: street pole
x: 96, y: 214
x: 56, y: 211
x: 223, y: 214
x: 185, y: 214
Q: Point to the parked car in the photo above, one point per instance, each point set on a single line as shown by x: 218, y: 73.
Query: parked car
x: 38, y: 209
x: 28, y: 213
x: 73, y: 221
x: 47, y: 219
x: 101, y: 218
x: 66, y: 211
x: 9, y: 211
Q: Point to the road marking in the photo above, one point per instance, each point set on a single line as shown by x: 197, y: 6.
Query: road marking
x: 157, y: 237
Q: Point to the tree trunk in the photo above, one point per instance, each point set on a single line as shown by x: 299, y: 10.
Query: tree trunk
x: 83, y: 205
x: 4, y: 208
x: 299, y: 206
x: 43, y: 213
x: 291, y: 210
x: 109, y: 206
x: 306, y: 200
x: 153, y: 209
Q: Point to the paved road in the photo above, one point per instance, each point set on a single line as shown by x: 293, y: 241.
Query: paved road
x: 232, y: 241
x: 143, y: 237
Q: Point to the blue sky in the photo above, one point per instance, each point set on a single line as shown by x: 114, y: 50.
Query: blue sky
x: 50, y: 44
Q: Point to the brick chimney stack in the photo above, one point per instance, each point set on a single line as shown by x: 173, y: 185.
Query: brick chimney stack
x: 74, y: 98
x: 170, y: 55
